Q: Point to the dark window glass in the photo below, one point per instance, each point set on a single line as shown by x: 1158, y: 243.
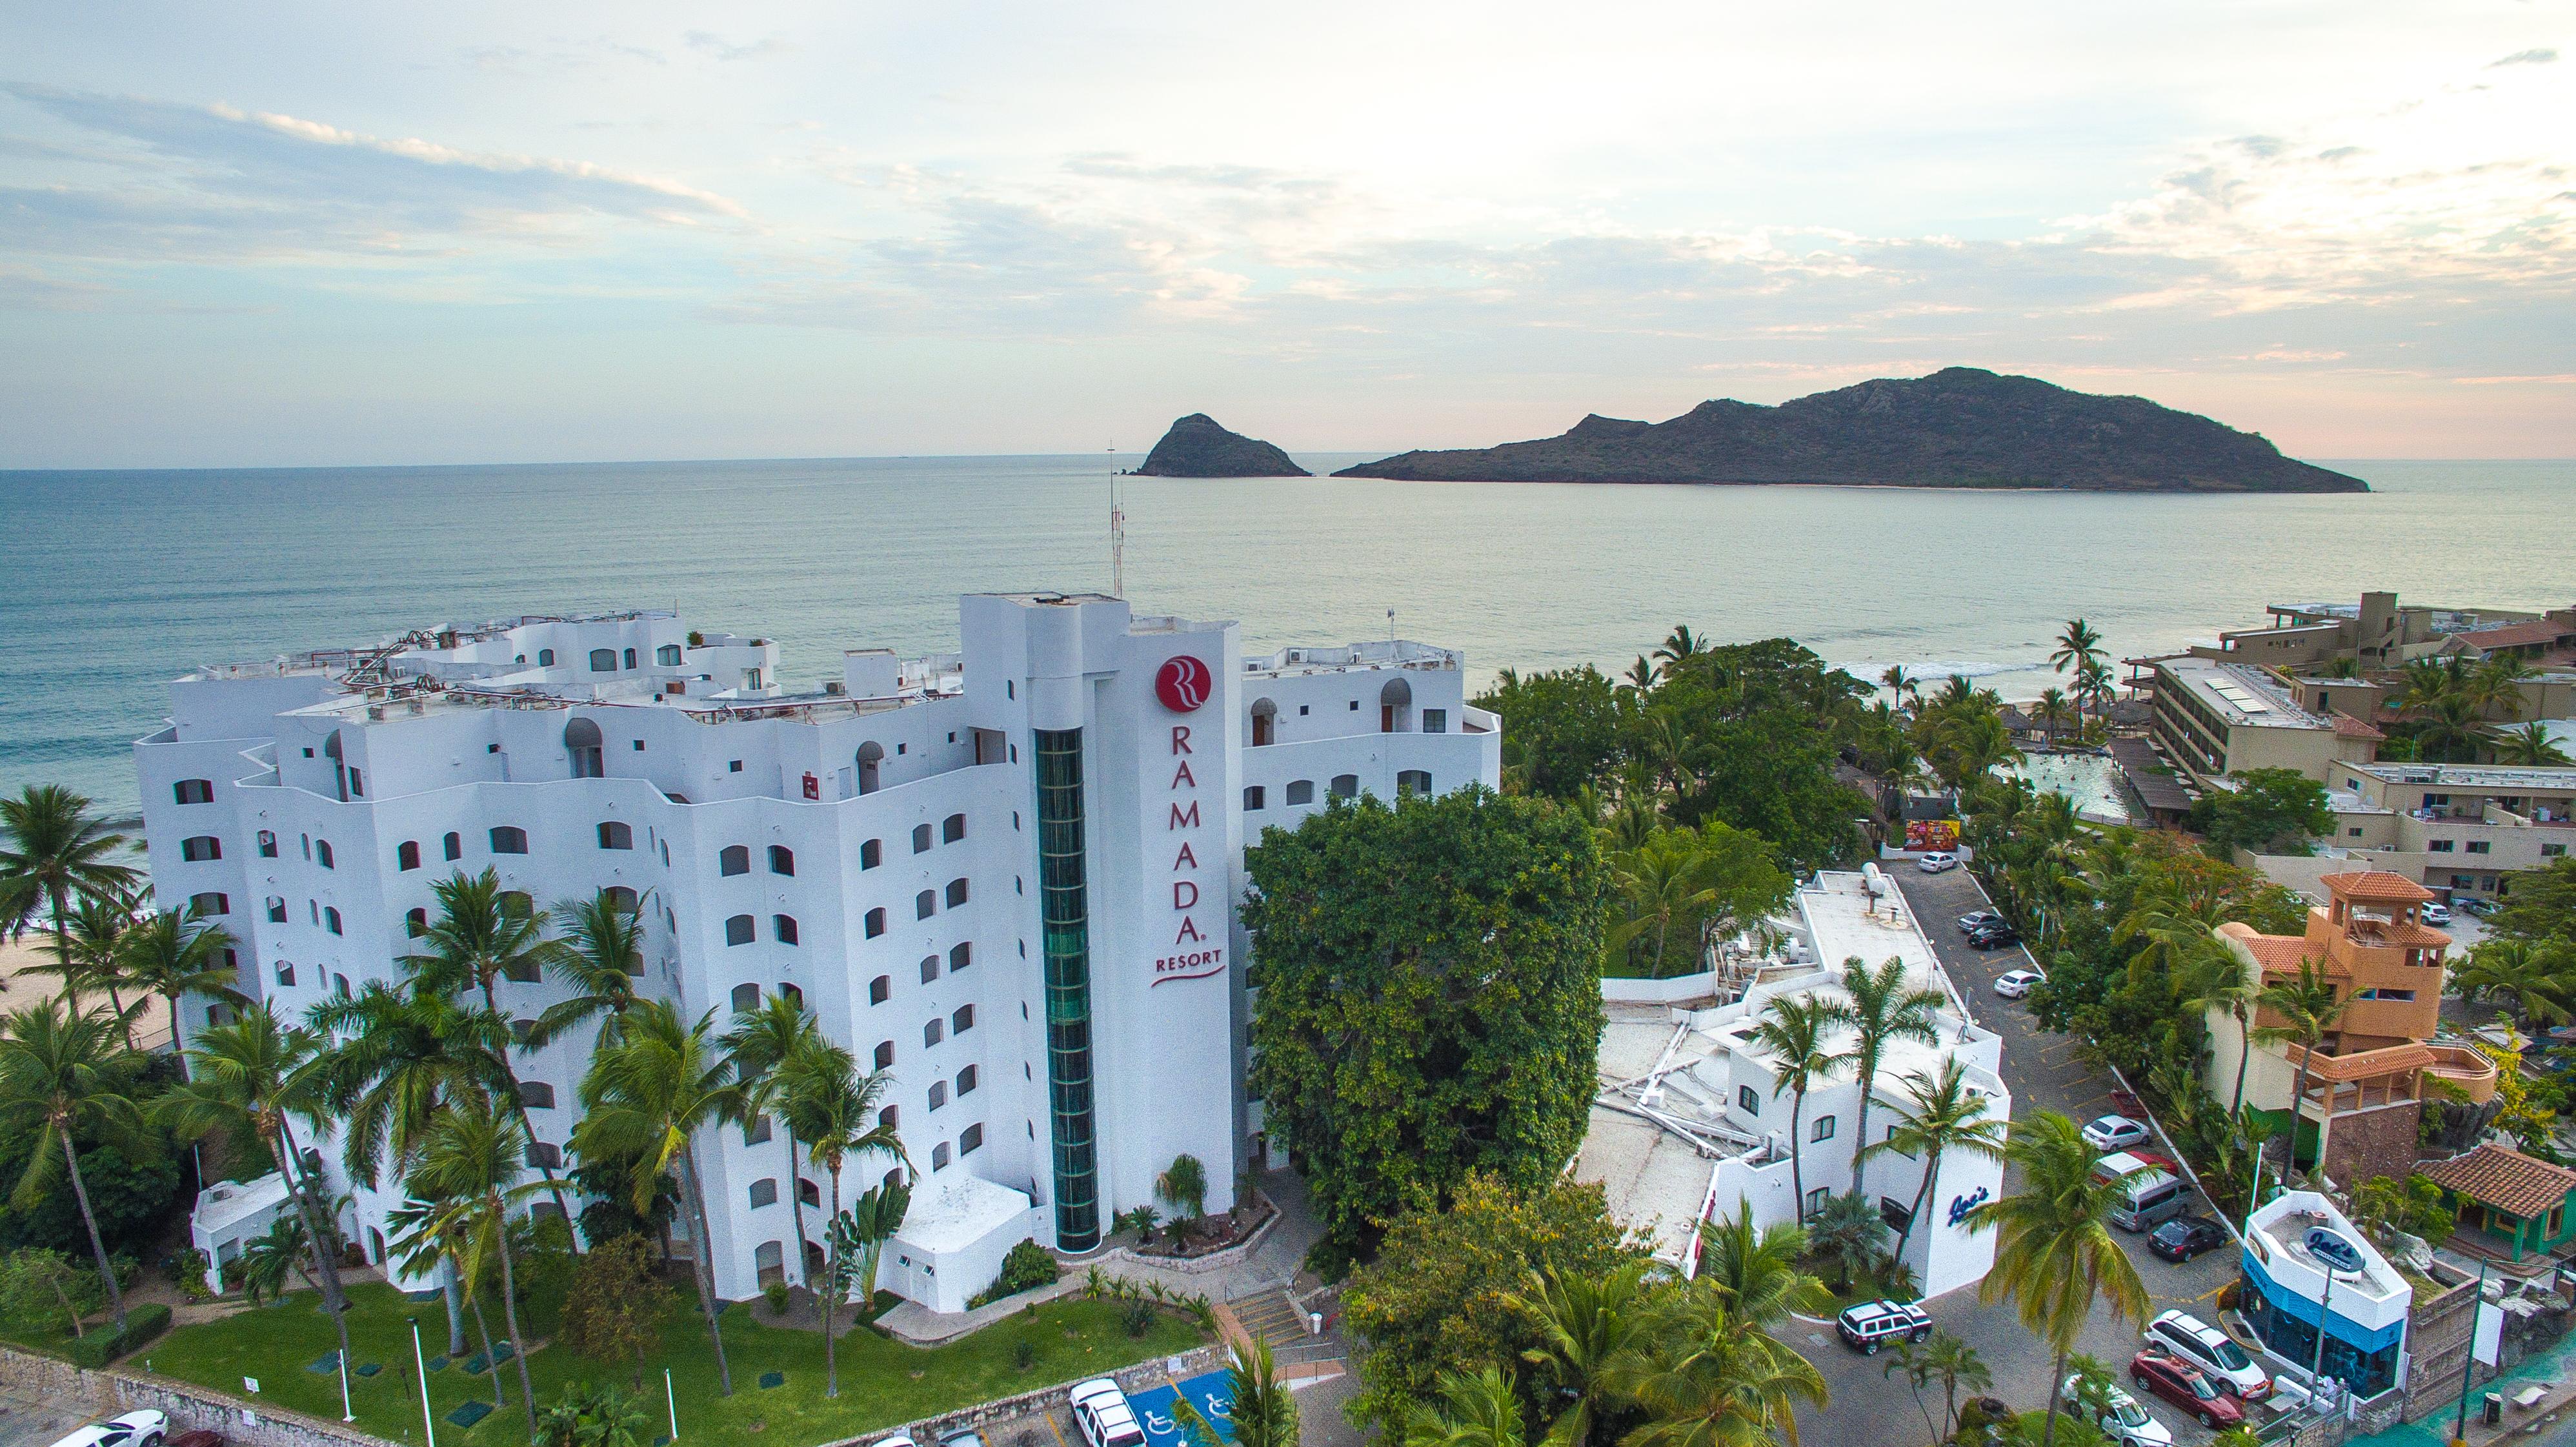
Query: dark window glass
x: 407, y: 854
x: 738, y: 930
x: 194, y: 791
x: 614, y: 835
x: 509, y: 839
x: 875, y: 923
x: 952, y: 829
x: 872, y: 854
x: 733, y: 859
x: 783, y: 926
x: 782, y: 860
x: 200, y: 848
x: 956, y: 893
x: 880, y: 989
x: 925, y: 904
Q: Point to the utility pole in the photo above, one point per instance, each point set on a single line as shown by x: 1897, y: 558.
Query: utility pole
x: 2469, y: 1368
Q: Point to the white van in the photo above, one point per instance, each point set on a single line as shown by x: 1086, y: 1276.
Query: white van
x: 2149, y: 1198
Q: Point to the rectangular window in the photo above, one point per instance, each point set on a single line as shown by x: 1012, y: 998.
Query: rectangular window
x: 2438, y: 846
x: 358, y: 783
x: 2402, y: 996
x: 201, y: 848
x: 2479, y: 846
x: 1252, y: 797
x: 2552, y: 851
x: 1435, y: 720
x: 1823, y: 1130
x: 203, y: 905
x: 194, y: 791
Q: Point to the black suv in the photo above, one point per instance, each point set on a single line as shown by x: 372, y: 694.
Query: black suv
x: 1873, y: 1324
x: 2185, y: 1237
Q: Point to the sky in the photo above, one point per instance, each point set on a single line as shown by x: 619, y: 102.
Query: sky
x: 339, y: 234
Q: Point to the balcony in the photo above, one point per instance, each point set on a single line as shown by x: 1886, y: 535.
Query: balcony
x: 2473, y: 1073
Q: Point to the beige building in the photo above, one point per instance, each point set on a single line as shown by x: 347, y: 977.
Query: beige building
x: 2216, y: 717
x: 2368, y: 1075
x: 2459, y: 829
x: 2379, y: 634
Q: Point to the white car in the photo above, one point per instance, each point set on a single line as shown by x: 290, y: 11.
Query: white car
x: 134, y: 1429
x: 2013, y: 984
x: 2436, y: 912
x: 1936, y: 861
x: 2123, y: 1420
x: 2115, y: 1133
x: 2211, y: 1350
x: 1102, y: 1414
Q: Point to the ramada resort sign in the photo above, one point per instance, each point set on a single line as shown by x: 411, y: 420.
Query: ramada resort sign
x: 1183, y: 684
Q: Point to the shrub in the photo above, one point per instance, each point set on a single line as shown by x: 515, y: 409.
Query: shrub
x: 1137, y: 1317
x: 775, y: 1293
x: 1026, y: 1268
x: 1024, y: 1354
x: 143, y: 1322
x: 189, y: 1269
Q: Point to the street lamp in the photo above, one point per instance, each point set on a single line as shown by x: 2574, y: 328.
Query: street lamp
x: 2325, y: 1313
x: 421, y: 1369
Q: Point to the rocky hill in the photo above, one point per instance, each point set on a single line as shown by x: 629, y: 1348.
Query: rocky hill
x: 1960, y: 427
x: 1197, y: 447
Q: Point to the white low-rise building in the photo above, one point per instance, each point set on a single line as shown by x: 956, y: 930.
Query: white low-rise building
x: 1025, y: 854
x: 1693, y: 1118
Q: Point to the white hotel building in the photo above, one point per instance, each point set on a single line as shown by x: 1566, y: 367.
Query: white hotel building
x: 1008, y: 876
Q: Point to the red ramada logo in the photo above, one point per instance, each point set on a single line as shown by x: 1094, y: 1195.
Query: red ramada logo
x: 1183, y: 684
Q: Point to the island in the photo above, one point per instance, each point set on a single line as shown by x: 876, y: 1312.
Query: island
x: 1197, y: 447
x: 1959, y: 427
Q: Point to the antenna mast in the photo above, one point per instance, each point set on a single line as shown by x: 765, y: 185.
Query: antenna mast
x: 1117, y: 542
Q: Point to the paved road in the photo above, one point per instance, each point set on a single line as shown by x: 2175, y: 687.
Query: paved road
x: 35, y: 1421
x: 1869, y: 1410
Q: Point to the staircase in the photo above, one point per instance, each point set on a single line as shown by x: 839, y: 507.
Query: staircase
x: 1275, y: 1319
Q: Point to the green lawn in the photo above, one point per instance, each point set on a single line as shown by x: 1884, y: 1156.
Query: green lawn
x: 883, y: 1383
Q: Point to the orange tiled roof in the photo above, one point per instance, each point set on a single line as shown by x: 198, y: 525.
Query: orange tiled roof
x: 2348, y: 727
x: 2505, y: 1178
x: 2515, y: 635
x: 2272, y: 952
x: 2377, y: 884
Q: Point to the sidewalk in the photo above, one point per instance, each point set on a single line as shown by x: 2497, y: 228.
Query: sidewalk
x: 2549, y: 1419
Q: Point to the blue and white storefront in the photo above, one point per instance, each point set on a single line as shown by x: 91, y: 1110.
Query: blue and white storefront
x: 2306, y: 1266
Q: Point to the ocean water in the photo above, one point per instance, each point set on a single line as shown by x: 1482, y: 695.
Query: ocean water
x: 116, y: 582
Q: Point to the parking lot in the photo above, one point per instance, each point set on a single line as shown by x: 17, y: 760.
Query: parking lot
x: 2044, y: 1073
x: 31, y: 1421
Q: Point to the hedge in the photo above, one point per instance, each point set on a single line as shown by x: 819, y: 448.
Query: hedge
x: 142, y: 1323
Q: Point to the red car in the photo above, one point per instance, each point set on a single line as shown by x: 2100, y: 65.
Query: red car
x: 2187, y: 1387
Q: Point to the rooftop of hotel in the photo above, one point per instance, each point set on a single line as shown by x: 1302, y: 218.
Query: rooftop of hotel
x: 2445, y: 619
x: 2472, y: 776
x: 1355, y: 658
x: 2241, y: 694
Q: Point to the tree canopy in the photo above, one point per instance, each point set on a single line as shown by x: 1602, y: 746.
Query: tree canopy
x: 2271, y: 811
x: 1428, y: 997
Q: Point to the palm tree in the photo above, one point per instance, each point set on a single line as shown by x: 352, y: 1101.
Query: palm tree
x: 1754, y: 1271
x: 61, y: 1075
x: 1183, y: 1187
x: 761, y: 1041
x: 1713, y: 1383
x: 477, y: 938
x: 470, y: 1167
x: 1901, y: 685
x: 2054, y: 1252
x: 2173, y: 927
x: 85, y: 957
x: 1264, y: 1412
x: 251, y: 1080
x: 1880, y: 1008
x: 174, y: 955
x: 2496, y: 685
x: 1584, y: 1325
x: 2052, y: 710
x: 53, y: 848
x: 602, y: 954
x: 268, y: 1260
x: 391, y: 1067
x: 864, y: 1229
x: 2077, y: 646
x: 825, y: 1101
x: 646, y: 1097
x: 428, y: 1239
x: 2530, y: 746
x: 1957, y: 1365
x: 1949, y: 1115
x: 1483, y: 1410
x: 1679, y: 646
x: 1844, y: 1234
x: 1662, y: 888
x: 1641, y: 675
x: 1794, y: 1029
x: 2451, y: 728
x: 2309, y: 1010
x: 2535, y: 973
x: 2093, y: 688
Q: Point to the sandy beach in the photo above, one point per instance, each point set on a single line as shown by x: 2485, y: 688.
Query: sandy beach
x: 20, y: 987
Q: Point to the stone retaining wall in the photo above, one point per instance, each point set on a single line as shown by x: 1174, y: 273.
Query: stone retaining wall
x: 244, y: 1423
x: 1138, y: 1378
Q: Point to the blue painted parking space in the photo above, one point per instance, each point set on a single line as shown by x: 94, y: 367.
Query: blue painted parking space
x: 1210, y: 1392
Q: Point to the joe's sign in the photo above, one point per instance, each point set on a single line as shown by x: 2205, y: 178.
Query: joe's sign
x: 1184, y: 684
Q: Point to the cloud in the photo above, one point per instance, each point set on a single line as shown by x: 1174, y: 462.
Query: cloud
x: 220, y: 182
x: 2541, y: 56
x: 707, y: 42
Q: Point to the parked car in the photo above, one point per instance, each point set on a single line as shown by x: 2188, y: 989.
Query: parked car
x: 2185, y: 1237
x: 1936, y: 862
x: 2115, y: 1132
x: 2436, y: 912
x: 962, y: 1439
x: 2211, y: 1350
x: 1979, y: 919
x: 134, y: 1429
x: 2482, y: 908
x: 2013, y: 984
x: 1994, y: 937
x: 2177, y: 1381
x: 2123, y: 1420
x: 198, y: 1437
x: 899, y: 1439
x: 1873, y: 1324
x: 1103, y: 1415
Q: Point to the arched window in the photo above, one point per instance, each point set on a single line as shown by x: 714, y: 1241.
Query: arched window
x: 588, y: 753
x: 1301, y: 791
x: 515, y: 903
x: 938, y: 1094
x: 970, y: 1139
x: 733, y: 859
x: 1412, y: 781
x: 520, y: 1030
x: 194, y: 791
x: 874, y: 923
x: 545, y: 658
x: 764, y: 1192
x: 667, y: 656
x: 285, y: 972
x: 782, y: 860
x: 959, y: 957
x: 770, y: 1262
x: 213, y: 903
x: 509, y: 839
x: 339, y: 770
x: 1395, y: 706
x: 783, y: 928
x: 201, y: 848
x: 267, y: 844
x: 276, y: 909
x: 920, y: 838
x: 939, y: 1156
x: 322, y: 854
x: 893, y: 1176
x: 929, y: 968
x: 416, y: 923
x: 966, y: 1081
x: 871, y: 754
x: 1265, y: 719
x: 1346, y: 786
x: 340, y: 986
x: 407, y: 854
x: 614, y: 834
x: 956, y: 892
x: 603, y: 660
x: 330, y: 917
x: 952, y: 828
x: 872, y: 854
x: 791, y: 994
x: 536, y: 1095
x: 630, y: 658
x: 925, y: 904
x: 1822, y: 1130
x: 739, y: 930
x: 808, y: 1192
x: 880, y: 989
x: 746, y: 998
x: 885, y: 1061
x: 622, y: 899
x: 934, y: 1032
x: 455, y: 847
x: 757, y: 1133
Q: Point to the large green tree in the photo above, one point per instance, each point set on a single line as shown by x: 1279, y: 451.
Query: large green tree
x: 2270, y: 811
x: 1429, y: 997
x: 1560, y: 730
x: 2542, y: 904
